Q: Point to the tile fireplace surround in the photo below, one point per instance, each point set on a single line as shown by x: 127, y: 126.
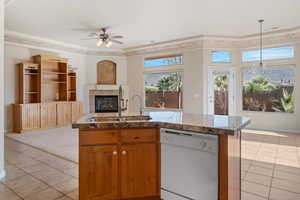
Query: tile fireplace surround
x: 93, y: 93
x: 101, y: 90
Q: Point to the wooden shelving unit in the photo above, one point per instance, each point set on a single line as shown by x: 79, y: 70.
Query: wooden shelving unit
x: 47, y: 94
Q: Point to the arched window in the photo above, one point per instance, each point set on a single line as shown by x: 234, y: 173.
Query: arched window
x: 106, y: 72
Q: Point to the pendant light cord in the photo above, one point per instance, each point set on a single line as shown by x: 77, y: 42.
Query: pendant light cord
x: 261, y: 42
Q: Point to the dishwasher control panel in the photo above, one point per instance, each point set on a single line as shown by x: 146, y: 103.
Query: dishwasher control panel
x: 200, y: 141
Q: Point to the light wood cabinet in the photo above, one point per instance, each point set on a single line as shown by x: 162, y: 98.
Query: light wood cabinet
x: 29, y: 117
x: 48, y: 115
x: 139, y: 170
x: 77, y: 110
x: 119, y: 168
x: 106, y: 73
x: 64, y: 113
x: 99, y: 172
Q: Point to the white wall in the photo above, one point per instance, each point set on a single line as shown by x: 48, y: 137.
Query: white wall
x: 1, y: 89
x: 193, y: 81
x: 135, y: 80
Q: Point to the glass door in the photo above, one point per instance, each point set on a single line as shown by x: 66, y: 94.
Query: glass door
x: 221, y: 92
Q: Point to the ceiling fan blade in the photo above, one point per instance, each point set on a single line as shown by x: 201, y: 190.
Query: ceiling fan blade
x: 93, y: 34
x: 89, y: 38
x: 116, y: 41
x: 85, y: 29
x: 105, y: 27
x: 116, y: 37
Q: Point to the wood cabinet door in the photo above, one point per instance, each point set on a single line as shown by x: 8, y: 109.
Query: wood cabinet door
x: 64, y: 115
x: 98, y: 172
x: 106, y: 72
x: 139, y: 168
x: 76, y: 110
x: 31, y: 116
x: 48, y: 115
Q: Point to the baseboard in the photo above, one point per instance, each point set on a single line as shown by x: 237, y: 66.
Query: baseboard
x: 2, y: 174
x: 275, y: 130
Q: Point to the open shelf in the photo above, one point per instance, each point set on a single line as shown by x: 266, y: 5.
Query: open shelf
x: 34, y: 74
x: 54, y: 73
x: 55, y: 82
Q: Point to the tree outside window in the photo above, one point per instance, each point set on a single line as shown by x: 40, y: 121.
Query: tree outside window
x: 163, y: 90
x: 271, y: 90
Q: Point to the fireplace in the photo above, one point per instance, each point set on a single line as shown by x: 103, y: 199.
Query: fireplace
x: 106, y: 104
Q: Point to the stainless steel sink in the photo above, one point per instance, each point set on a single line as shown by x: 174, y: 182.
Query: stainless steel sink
x: 122, y: 119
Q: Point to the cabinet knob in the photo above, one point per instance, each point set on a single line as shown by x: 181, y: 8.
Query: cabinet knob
x: 115, y: 153
x: 124, y: 152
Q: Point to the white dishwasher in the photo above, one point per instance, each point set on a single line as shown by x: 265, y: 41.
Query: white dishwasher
x: 189, y: 165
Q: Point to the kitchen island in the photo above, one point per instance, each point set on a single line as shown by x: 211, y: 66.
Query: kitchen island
x: 120, y: 157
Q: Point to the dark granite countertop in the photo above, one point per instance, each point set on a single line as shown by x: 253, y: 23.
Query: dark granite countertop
x: 210, y: 124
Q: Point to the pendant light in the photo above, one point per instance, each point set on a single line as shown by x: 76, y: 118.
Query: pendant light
x: 261, y: 64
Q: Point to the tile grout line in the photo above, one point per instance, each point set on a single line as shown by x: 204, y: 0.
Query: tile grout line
x: 41, y: 161
x: 276, y: 157
x: 29, y: 174
x: 10, y: 189
x: 36, y: 148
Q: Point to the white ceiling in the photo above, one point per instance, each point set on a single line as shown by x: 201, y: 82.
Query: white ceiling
x: 141, y: 21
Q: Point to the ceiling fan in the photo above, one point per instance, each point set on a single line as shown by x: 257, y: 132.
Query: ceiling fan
x: 104, y: 38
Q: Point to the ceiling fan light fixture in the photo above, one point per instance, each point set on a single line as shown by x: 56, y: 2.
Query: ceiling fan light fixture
x: 99, y: 42
x: 108, y: 43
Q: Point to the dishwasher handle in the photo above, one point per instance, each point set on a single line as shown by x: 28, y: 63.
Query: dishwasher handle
x: 177, y: 133
x: 201, y: 135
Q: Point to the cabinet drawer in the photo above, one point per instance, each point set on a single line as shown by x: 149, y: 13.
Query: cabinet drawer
x: 139, y: 135
x: 98, y: 137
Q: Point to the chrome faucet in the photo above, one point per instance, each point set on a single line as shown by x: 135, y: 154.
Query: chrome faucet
x: 140, y: 102
x: 122, y: 104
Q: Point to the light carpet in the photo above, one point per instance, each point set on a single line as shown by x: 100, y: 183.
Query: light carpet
x: 62, y: 142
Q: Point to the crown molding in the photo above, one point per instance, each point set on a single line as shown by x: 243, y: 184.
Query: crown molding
x: 280, y: 37
x: 271, y: 40
x: 21, y: 39
x: 286, y: 36
x: 273, y: 33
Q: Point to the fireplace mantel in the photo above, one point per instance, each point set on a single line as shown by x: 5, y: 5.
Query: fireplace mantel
x: 103, y: 87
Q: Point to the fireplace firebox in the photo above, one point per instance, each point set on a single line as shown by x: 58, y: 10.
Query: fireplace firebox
x: 106, y: 104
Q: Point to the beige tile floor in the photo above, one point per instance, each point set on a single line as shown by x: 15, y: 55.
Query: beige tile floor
x: 270, y: 166
x: 270, y: 170
x: 32, y: 174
